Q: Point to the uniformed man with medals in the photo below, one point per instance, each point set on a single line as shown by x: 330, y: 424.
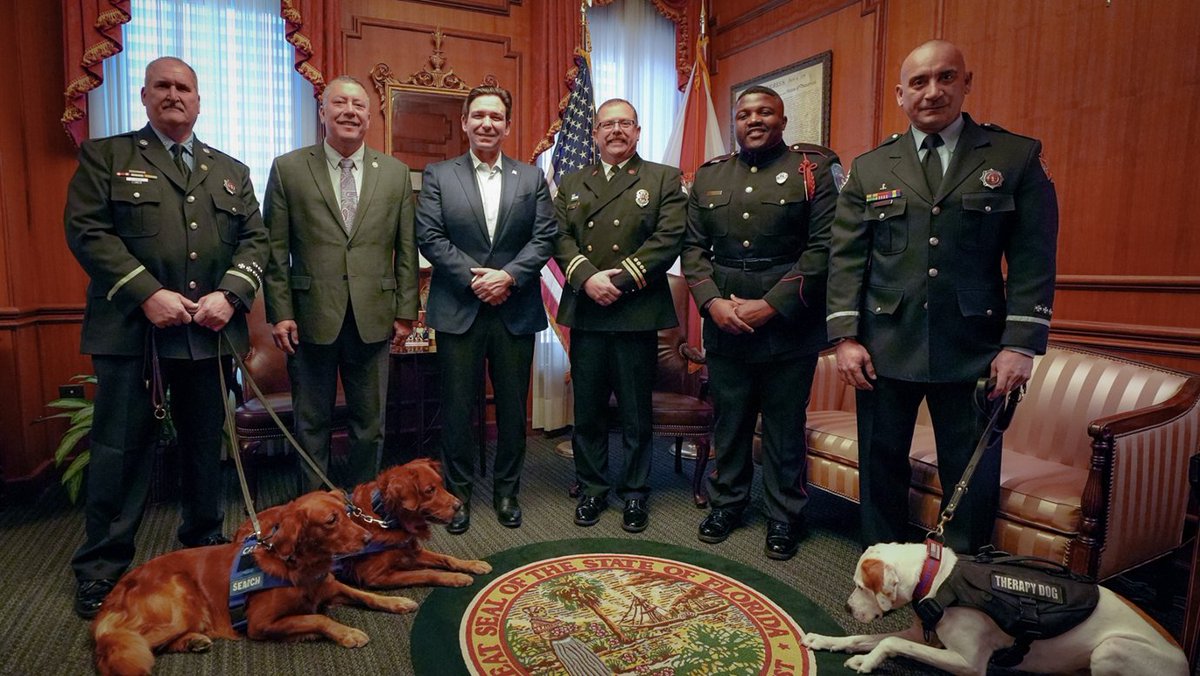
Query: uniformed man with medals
x: 755, y: 256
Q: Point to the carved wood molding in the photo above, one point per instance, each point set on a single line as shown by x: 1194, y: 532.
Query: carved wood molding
x: 488, y: 6
x: 1137, y: 338
x: 15, y: 318
x: 1143, y: 283
x: 726, y: 45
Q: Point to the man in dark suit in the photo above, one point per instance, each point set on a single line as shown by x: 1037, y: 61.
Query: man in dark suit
x: 486, y: 223
x: 169, y: 232
x: 342, y: 281
x: 755, y: 255
x: 917, y: 297
x: 620, y: 226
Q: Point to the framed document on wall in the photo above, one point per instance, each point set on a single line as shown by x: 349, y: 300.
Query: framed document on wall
x: 804, y: 88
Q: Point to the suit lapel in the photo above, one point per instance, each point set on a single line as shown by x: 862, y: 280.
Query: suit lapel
x: 370, y: 170
x: 965, y: 161
x: 200, y: 158
x: 465, y: 171
x: 319, y: 166
x: 509, y: 177
x: 617, y: 185
x: 156, y: 153
x: 906, y: 166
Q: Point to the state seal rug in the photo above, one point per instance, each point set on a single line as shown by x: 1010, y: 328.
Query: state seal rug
x: 610, y: 606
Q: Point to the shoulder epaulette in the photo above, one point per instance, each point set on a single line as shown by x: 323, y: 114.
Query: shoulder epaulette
x: 720, y: 158
x: 992, y: 126
x: 810, y: 148
x: 889, y: 140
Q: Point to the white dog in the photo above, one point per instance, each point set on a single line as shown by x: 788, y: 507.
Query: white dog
x: 1116, y: 638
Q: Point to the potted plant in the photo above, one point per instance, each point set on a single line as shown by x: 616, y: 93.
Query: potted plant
x: 78, y: 411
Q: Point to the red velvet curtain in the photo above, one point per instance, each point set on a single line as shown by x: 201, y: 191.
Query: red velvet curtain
x: 312, y: 28
x: 558, y: 36
x: 91, y: 34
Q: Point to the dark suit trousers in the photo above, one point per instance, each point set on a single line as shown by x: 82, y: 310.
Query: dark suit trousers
x: 779, y: 389
x: 886, y: 417
x: 124, y: 435
x: 603, y: 363
x: 461, y: 358
x: 314, y: 372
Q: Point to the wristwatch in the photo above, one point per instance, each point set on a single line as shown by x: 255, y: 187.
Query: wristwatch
x: 233, y: 299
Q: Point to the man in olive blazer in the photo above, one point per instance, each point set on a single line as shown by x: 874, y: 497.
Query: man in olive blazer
x: 621, y: 224
x: 919, y: 301
x: 342, y: 280
x: 486, y: 223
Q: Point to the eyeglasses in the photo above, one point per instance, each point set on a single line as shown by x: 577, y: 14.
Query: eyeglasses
x: 608, y: 125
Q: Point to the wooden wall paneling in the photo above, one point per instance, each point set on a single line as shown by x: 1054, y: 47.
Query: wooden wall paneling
x: 909, y: 23
x: 846, y: 31
x: 476, y: 44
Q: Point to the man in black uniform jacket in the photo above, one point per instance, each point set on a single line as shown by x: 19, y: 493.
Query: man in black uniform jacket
x: 755, y: 255
x: 918, y: 298
x: 620, y: 225
x: 168, y: 229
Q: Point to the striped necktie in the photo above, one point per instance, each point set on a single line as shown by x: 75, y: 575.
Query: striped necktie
x: 349, y: 193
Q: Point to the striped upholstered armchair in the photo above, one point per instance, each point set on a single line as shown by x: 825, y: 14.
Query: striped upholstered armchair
x: 1095, y: 468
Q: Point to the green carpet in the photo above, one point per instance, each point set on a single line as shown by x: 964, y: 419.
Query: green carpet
x: 435, y: 633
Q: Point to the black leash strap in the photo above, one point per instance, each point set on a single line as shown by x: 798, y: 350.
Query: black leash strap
x: 998, y: 420
x: 158, y: 396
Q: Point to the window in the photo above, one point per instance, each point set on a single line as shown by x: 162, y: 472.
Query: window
x: 253, y: 104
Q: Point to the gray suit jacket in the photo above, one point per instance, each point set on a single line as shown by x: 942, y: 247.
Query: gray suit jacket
x: 452, y: 232
x: 317, y: 269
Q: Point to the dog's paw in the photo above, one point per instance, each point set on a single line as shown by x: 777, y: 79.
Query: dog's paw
x: 820, y: 642
x: 199, y: 643
x: 400, y: 604
x: 477, y: 567
x: 352, y: 638
x: 458, y: 580
x: 859, y: 664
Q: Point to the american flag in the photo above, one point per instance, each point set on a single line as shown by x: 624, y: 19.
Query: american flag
x: 574, y: 147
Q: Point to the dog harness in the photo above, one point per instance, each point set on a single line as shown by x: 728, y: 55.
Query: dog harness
x: 245, y: 578
x: 1029, y: 598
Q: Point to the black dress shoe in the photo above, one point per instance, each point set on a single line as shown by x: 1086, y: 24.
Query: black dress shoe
x: 89, y: 594
x: 783, y: 539
x: 461, y: 521
x: 587, y: 512
x: 636, y: 516
x: 508, y: 512
x: 718, y: 525
x: 206, y: 541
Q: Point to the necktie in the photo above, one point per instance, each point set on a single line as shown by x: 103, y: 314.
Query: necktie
x: 612, y: 171
x: 349, y: 193
x: 932, y: 164
x: 177, y: 154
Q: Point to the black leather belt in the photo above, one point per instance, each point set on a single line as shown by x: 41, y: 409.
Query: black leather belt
x: 751, y: 264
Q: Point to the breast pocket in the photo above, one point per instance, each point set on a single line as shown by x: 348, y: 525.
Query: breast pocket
x: 784, y: 213
x: 714, y: 213
x: 230, y: 212
x: 136, y: 208
x: 985, y: 215
x: 890, y: 225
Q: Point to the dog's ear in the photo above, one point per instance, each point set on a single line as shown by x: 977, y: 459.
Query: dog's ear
x: 886, y: 596
x: 410, y: 491
x: 283, y: 541
x: 880, y: 578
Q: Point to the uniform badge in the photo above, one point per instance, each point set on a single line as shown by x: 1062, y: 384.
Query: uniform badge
x: 229, y: 187
x: 992, y: 179
x: 839, y: 176
x: 642, y: 198
x: 574, y: 197
x: 781, y: 177
x: 1045, y: 167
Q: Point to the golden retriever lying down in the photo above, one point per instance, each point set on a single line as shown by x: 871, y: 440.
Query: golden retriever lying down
x: 179, y: 602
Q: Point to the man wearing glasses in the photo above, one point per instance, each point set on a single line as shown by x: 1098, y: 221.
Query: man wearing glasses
x: 620, y: 225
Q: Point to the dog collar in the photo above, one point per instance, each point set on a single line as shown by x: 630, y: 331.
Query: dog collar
x: 933, y: 562
x: 389, y: 521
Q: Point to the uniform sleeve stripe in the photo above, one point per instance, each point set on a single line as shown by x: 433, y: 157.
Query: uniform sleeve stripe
x: 125, y: 280
x: 575, y: 263
x: 638, y: 278
x: 1031, y: 320
x: 847, y: 313
x: 248, y: 278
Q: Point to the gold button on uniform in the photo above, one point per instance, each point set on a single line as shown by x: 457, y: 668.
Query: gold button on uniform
x: 988, y: 313
x: 616, y: 222
x: 753, y: 170
x: 616, y: 247
x: 934, y: 241
x: 192, y: 225
x: 193, y: 256
x: 933, y: 272
x: 191, y: 285
x: 745, y: 215
x: 749, y: 188
x: 137, y: 194
x: 191, y: 198
x: 591, y: 223
x: 988, y: 209
x: 746, y: 244
x: 589, y: 247
x: 204, y: 167
x: 882, y: 215
x: 935, y: 211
